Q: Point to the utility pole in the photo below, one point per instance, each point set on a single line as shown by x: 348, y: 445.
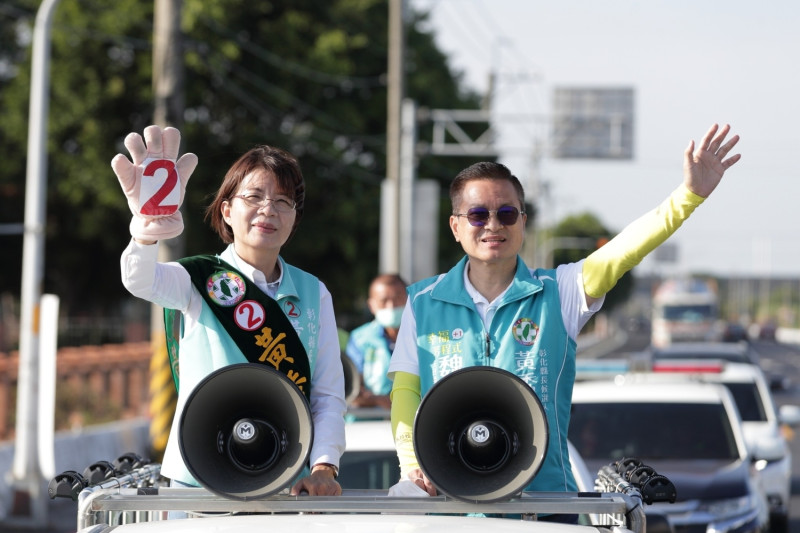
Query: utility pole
x: 28, y: 504
x: 389, y: 253
x: 168, y: 86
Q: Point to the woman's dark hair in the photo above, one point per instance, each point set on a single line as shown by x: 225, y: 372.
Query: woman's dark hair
x: 263, y: 158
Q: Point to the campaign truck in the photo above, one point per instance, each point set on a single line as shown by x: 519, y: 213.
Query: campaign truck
x: 480, y: 452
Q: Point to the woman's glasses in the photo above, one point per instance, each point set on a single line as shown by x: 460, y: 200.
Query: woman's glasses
x: 281, y: 205
x: 479, y: 216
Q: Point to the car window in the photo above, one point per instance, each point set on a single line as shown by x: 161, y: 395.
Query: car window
x: 368, y: 469
x: 748, y: 401
x: 611, y: 431
x: 688, y: 313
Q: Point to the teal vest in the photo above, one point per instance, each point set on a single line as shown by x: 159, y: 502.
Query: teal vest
x: 526, y: 337
x: 208, y: 347
x: 370, y: 339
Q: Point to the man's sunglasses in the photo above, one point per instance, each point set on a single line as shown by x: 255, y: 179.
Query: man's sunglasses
x: 479, y: 216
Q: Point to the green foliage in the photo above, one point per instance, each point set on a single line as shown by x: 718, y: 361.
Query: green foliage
x: 588, y: 227
x: 305, y: 75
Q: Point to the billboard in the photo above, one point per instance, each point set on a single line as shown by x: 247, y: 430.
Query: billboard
x: 592, y: 123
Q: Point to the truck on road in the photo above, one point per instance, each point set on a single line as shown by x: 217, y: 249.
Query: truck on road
x: 685, y: 310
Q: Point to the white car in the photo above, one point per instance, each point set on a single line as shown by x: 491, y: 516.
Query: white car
x: 762, y: 423
x: 370, y: 461
x: 689, y: 432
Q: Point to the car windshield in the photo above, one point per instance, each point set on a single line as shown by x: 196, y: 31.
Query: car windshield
x: 748, y: 401
x: 611, y: 431
x: 689, y: 313
x: 368, y: 469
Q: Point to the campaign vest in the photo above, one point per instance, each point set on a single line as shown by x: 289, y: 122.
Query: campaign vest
x: 526, y: 337
x: 208, y: 346
x: 253, y: 320
x: 370, y: 339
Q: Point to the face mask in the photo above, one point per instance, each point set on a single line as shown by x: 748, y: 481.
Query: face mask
x: 389, y: 318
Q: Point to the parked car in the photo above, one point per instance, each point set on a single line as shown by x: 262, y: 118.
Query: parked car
x: 370, y: 460
x: 762, y: 423
x: 734, y: 332
x: 689, y: 432
x: 734, y: 352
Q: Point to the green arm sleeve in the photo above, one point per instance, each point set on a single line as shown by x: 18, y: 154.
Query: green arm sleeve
x: 405, y: 397
x: 603, y: 268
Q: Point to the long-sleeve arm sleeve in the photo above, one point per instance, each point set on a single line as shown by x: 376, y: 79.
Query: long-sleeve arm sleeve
x: 605, y: 266
x: 405, y: 397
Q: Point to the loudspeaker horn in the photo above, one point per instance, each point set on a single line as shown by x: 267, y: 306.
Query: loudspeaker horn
x: 480, y: 434
x: 352, y: 379
x: 245, y: 431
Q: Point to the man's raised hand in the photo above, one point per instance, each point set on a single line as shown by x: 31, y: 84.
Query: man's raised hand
x: 704, y: 166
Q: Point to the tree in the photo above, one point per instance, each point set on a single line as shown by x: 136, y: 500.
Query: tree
x: 587, y: 226
x: 305, y: 75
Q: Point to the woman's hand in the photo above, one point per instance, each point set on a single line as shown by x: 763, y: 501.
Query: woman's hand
x: 321, y: 482
x: 154, y: 182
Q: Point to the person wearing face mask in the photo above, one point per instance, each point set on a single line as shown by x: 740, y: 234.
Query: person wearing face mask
x: 370, y: 346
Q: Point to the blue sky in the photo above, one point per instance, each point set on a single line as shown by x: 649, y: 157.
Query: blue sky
x: 690, y: 64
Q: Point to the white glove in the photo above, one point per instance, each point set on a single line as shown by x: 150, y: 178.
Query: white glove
x: 155, y: 182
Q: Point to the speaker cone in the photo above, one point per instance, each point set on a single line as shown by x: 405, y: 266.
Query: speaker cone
x: 245, y: 431
x: 480, y: 434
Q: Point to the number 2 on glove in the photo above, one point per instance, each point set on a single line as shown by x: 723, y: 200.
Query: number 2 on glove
x: 159, y: 193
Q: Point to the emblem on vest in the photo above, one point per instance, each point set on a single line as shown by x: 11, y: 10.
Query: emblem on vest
x: 225, y: 288
x: 525, y: 331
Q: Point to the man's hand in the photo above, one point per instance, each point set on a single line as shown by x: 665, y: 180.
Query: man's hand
x: 422, y: 481
x: 703, y: 168
x: 154, y: 182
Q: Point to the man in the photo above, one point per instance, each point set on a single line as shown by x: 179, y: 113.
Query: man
x: 492, y: 310
x: 370, y: 346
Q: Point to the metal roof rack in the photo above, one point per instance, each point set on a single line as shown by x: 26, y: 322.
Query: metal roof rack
x: 140, y: 496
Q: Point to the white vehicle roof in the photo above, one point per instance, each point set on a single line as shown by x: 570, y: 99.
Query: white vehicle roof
x: 369, y: 435
x: 708, y: 371
x: 625, y: 391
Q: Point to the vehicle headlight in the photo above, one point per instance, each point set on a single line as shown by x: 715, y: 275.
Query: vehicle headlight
x: 729, y: 507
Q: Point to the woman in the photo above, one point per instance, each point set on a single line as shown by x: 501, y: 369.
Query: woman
x: 224, y: 300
